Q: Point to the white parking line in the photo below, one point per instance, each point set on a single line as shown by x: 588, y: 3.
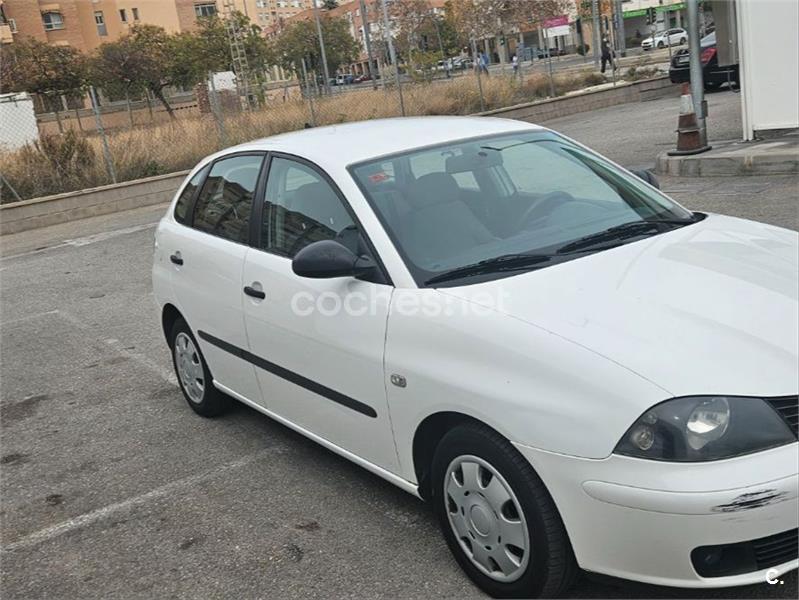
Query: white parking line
x: 94, y: 516
x: 142, y: 359
x: 83, y: 241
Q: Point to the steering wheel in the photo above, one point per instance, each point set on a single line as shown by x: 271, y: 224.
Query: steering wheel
x: 546, y: 204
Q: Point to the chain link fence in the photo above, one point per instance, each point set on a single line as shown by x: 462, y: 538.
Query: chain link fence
x: 54, y: 143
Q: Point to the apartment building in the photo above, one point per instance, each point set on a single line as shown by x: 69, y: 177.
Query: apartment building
x: 85, y: 24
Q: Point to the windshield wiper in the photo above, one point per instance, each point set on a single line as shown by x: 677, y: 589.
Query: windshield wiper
x: 618, y: 233
x: 506, y: 262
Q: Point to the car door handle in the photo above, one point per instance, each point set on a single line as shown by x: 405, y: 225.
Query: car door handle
x: 175, y: 258
x: 251, y: 291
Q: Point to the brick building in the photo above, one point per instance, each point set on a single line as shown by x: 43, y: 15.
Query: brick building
x: 85, y: 24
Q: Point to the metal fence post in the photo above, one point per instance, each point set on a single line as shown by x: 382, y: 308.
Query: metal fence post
x: 478, y: 68
x: 393, y: 54
x: 109, y: 163
x: 309, y: 93
x: 216, y: 109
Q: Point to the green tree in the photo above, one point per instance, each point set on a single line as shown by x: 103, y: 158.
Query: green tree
x: 29, y: 65
x: 299, y: 41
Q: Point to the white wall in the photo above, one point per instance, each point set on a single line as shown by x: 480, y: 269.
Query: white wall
x: 17, y: 121
x: 769, y: 54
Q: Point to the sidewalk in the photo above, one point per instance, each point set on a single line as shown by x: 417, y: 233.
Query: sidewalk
x: 779, y: 155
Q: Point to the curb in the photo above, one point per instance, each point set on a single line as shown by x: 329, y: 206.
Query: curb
x: 723, y: 164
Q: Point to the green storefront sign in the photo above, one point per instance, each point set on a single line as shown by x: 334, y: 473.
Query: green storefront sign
x: 629, y: 14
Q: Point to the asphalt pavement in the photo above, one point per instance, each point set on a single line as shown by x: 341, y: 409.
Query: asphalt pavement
x: 112, y: 488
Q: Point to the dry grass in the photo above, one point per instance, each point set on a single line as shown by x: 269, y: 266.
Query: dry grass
x: 61, y: 163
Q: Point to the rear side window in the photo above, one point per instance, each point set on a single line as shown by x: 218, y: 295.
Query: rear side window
x: 225, y: 202
x: 182, y: 206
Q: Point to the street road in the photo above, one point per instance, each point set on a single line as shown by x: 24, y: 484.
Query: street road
x: 113, y: 488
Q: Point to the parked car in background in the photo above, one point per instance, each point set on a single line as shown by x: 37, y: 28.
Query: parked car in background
x: 572, y: 369
x: 713, y: 74
x: 670, y: 37
x: 344, y: 78
x: 363, y: 78
x: 462, y: 62
x: 544, y: 53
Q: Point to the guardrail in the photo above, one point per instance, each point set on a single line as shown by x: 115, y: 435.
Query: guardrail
x: 61, y: 208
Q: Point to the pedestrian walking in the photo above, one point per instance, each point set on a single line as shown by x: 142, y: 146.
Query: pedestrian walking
x: 607, y: 55
x: 515, y: 63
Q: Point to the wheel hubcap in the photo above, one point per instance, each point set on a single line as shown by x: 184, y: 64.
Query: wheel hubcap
x: 189, y: 368
x: 486, y: 518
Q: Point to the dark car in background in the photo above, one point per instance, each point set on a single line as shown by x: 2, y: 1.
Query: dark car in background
x: 713, y: 74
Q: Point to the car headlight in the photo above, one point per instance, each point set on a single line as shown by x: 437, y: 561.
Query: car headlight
x: 702, y: 428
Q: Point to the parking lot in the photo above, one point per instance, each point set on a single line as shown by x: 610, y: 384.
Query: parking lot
x: 113, y: 488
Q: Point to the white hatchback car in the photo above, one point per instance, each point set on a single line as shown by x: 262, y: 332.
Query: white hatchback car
x: 573, y: 369
x: 670, y: 37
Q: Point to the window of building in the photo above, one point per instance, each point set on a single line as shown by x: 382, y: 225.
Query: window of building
x: 99, y: 20
x: 135, y: 12
x: 12, y: 25
x: 52, y: 20
x: 206, y: 9
x: 260, y: 3
x: 123, y: 15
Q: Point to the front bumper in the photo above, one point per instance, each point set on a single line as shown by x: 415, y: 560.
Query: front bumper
x: 640, y: 520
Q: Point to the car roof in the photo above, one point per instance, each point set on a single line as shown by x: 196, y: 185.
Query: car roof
x: 348, y: 143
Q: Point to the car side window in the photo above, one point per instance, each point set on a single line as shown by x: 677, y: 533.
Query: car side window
x: 225, y: 202
x: 301, y: 208
x: 182, y: 205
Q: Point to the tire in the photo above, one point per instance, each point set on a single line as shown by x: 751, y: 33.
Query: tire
x: 661, y: 45
x: 195, y: 380
x: 547, y: 567
x: 682, y: 41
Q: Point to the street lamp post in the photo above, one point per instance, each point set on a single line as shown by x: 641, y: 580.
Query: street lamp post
x: 321, y: 45
x: 595, y: 37
x: 697, y: 82
x: 392, y: 53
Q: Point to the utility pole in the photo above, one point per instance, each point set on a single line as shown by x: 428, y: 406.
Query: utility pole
x: 697, y: 83
x: 321, y: 44
x: 393, y: 55
x: 622, y: 38
x: 367, y: 40
x: 595, y: 32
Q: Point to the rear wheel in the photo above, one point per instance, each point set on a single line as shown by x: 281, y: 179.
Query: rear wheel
x: 194, y: 378
x: 498, y: 518
x: 682, y: 41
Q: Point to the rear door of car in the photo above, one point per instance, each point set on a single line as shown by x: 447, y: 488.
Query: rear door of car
x: 318, y: 344
x: 207, y: 253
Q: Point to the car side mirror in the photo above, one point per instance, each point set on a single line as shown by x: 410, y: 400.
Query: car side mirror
x: 647, y: 176
x: 326, y: 259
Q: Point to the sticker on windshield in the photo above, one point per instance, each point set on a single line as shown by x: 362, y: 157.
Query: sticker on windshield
x: 378, y: 177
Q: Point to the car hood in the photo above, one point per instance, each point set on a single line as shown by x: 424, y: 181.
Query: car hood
x: 710, y: 308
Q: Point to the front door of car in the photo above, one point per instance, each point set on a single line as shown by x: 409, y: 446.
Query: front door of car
x: 317, y: 343
x: 210, y: 250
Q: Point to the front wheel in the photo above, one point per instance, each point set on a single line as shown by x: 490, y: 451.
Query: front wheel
x: 497, y: 517
x: 661, y: 45
x: 682, y: 41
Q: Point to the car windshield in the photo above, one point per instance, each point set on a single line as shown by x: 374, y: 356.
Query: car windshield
x: 490, y: 207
